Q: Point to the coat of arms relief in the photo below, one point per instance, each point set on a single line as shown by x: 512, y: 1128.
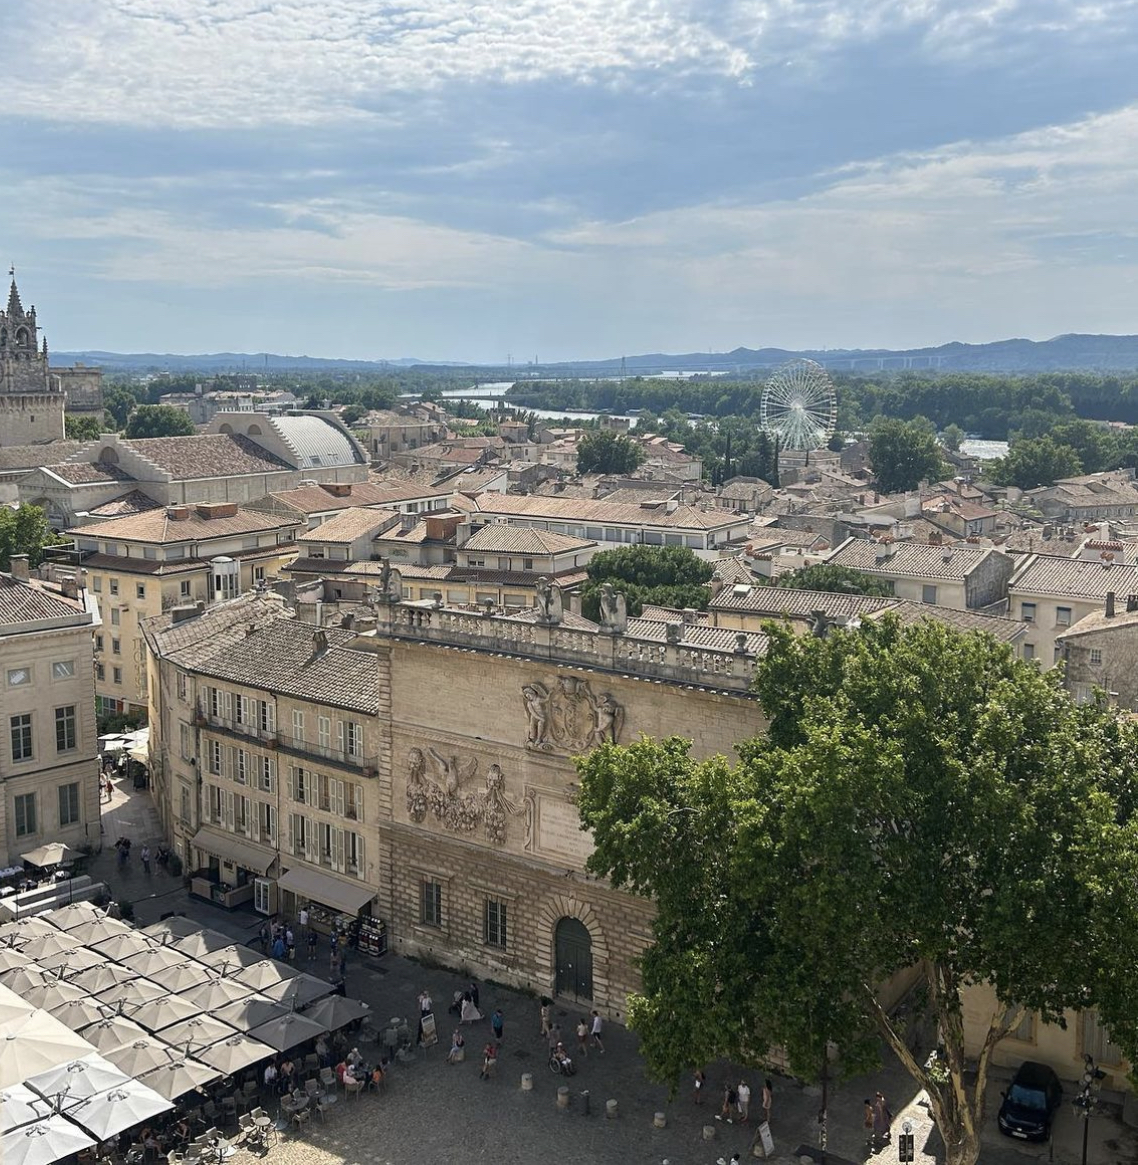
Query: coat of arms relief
x: 570, y: 717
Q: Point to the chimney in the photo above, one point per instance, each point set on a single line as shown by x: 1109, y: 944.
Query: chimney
x: 690, y: 615
x: 18, y: 565
x: 320, y: 641
x: 1110, y: 604
x: 178, y: 513
x: 190, y: 611
x: 1131, y: 604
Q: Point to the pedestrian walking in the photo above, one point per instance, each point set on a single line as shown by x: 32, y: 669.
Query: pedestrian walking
x: 457, y: 1044
x: 583, y: 1037
x: 743, y: 1093
x: 425, y: 1005
x: 489, y: 1059
x: 882, y: 1119
x: 302, y: 918
x: 730, y: 1099
x: 596, y: 1031
x: 768, y: 1097
x: 312, y: 946
x: 553, y: 1035
x: 145, y: 859
x: 497, y: 1023
x: 473, y: 989
x: 546, y: 1017
x: 266, y: 936
x: 290, y: 943
x: 867, y: 1123
x: 699, y: 1082
x: 279, y: 948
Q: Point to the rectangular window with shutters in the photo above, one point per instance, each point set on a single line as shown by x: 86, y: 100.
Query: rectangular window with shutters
x: 100, y: 672
x: 213, y: 750
x: 69, y: 804
x: 266, y: 774
x: 185, y: 746
x: 268, y: 717
x: 116, y: 647
x: 116, y: 675
x: 21, y: 729
x: 353, y: 738
x: 1097, y: 1042
x: 240, y: 813
x: 99, y: 642
x: 25, y: 810
x: 65, y: 732
x: 324, y: 731
x: 1025, y: 1033
x: 431, y: 903
x: 1062, y: 616
x: 354, y: 853
x: 303, y: 786
x: 214, y: 702
x: 1027, y: 612
x: 354, y: 802
x: 297, y: 724
x: 494, y: 923
x: 181, y: 685
x: 116, y: 617
x: 213, y: 803
x: 241, y: 709
x: 324, y: 833
x: 184, y: 589
x: 185, y: 803
x: 298, y: 834
x: 242, y: 773
x: 268, y: 822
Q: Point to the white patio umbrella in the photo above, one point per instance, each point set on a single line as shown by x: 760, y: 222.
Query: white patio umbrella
x: 73, y: 914
x: 122, y: 945
x: 44, y: 1143
x: 35, y: 1043
x: 20, y: 930
x: 113, y: 741
x: 12, y: 1007
x: 237, y: 1052
x: 19, y: 1105
x: 102, y: 977
x: 131, y: 995
x: 77, y: 1078
x: 202, y: 943
x: 123, y: 1107
x: 216, y: 993
x: 231, y: 959
x: 21, y: 979
x: 297, y: 992
x: 54, y: 943
x: 112, y: 1032
x: 51, y: 854
x: 287, y: 1032
x: 192, y: 1035
x: 142, y: 1055
x: 249, y: 1012
x: 68, y: 963
x: 156, y: 959
x: 169, y: 930
x: 182, y: 977
x: 161, y: 1013
x: 335, y: 1011
x: 78, y: 1013
x: 176, y: 1079
x: 53, y: 993
x: 11, y: 958
x: 99, y: 930
x: 265, y: 973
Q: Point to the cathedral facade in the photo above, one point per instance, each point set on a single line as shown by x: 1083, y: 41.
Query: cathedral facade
x: 31, y: 405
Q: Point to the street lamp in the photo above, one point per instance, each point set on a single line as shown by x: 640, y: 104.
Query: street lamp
x: 1084, y: 1102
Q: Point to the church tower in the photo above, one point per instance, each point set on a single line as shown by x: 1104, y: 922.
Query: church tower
x: 31, y: 407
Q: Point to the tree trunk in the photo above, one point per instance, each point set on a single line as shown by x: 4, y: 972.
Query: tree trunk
x: 965, y: 1152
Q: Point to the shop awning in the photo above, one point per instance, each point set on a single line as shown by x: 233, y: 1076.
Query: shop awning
x: 328, y: 891
x: 235, y: 849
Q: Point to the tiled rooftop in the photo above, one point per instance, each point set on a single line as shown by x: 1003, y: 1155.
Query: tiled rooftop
x: 135, y: 502
x: 499, y: 538
x: 22, y: 602
x: 778, y: 601
x: 35, y: 456
x: 207, y: 455
x: 910, y: 560
x: 1071, y: 578
x: 348, y: 525
x: 88, y: 473
x: 559, y: 509
x: 157, y: 526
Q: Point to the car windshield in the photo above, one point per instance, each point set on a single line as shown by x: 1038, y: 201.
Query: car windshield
x: 1023, y: 1097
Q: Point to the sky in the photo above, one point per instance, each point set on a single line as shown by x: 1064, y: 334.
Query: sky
x: 560, y: 179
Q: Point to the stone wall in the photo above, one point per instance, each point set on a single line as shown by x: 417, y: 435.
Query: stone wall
x: 29, y: 418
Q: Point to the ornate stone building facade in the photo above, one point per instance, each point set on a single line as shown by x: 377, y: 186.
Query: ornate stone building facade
x: 31, y: 407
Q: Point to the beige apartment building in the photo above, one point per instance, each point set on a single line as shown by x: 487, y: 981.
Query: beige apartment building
x: 264, y: 753
x: 49, y: 760
x: 142, y: 564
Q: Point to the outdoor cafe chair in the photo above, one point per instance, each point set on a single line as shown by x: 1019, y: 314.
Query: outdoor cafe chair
x: 353, y: 1086
x: 328, y: 1077
x: 312, y: 1062
x: 312, y: 1087
x: 301, y: 1117
x: 229, y: 1108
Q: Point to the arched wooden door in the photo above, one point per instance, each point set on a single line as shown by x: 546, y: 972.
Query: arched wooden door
x: 573, y: 949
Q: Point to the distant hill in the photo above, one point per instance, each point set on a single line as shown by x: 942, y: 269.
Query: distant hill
x: 1063, y: 353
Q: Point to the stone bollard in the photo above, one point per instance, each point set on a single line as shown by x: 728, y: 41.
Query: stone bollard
x: 660, y: 1121
x: 709, y: 1132
x: 563, y: 1096
x: 610, y: 1110
x: 527, y: 1081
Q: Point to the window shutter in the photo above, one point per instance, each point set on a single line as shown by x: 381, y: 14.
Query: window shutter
x: 253, y: 821
x: 291, y: 783
x: 338, y: 849
x: 229, y: 810
x: 338, y: 798
x: 292, y: 833
x: 360, y: 864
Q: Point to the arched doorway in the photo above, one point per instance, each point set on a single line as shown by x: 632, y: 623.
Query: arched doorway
x: 573, y: 959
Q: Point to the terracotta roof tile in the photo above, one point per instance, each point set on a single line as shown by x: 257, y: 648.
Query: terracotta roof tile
x: 22, y: 602
x: 157, y: 526
x: 207, y: 455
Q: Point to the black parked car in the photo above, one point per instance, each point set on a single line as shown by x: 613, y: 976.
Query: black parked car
x: 1030, y: 1103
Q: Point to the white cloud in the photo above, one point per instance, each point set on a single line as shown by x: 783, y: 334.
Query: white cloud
x: 217, y: 63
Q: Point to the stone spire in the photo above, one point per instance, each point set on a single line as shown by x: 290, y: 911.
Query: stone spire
x: 15, y: 308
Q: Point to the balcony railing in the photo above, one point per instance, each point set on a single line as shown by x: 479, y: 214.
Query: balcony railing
x: 353, y: 761
x: 237, y: 728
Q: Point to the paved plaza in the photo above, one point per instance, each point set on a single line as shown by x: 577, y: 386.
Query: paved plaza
x: 435, y: 1112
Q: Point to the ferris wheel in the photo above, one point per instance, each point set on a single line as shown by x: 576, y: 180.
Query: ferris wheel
x: 799, y: 405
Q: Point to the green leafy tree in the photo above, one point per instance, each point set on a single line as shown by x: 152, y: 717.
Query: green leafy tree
x: 1096, y: 447
x: 904, y: 453
x: 79, y: 428
x: 118, y: 404
x: 951, y: 437
x: 353, y: 414
x: 1035, y: 462
x: 159, y: 421
x: 605, y: 451
x: 825, y: 577
x: 668, y: 576
x: 26, y: 531
x: 921, y: 802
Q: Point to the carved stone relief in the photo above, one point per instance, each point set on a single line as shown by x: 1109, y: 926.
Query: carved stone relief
x: 440, y: 794
x: 570, y: 718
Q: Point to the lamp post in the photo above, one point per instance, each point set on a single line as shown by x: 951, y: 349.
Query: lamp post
x: 1084, y: 1102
